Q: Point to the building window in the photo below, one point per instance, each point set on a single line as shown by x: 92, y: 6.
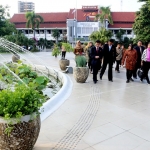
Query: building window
x: 129, y: 31
x: 79, y: 30
x: 95, y: 28
x: 70, y: 31
x: 83, y: 30
x: 116, y: 31
x: 41, y: 31
x: 48, y: 31
x: 60, y: 31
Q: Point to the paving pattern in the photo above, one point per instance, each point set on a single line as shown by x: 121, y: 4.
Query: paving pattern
x: 74, y: 136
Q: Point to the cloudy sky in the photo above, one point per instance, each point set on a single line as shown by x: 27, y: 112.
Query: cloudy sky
x: 65, y: 5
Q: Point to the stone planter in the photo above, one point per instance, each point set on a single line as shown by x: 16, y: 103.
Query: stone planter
x: 63, y: 63
x: 81, y: 74
x: 15, y: 58
x: 23, y: 135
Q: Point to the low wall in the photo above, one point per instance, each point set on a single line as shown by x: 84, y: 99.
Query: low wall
x: 58, y: 99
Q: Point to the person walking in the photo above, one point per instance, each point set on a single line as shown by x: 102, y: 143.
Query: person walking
x: 145, y: 63
x: 63, y: 52
x: 139, y: 48
x: 96, y: 56
x: 130, y: 56
x: 78, y: 50
x: 109, y: 57
x: 118, y: 57
x: 87, y: 53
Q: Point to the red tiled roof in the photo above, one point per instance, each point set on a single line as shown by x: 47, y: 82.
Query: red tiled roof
x: 121, y: 25
x: 48, y: 17
x: 45, y: 25
x: 123, y: 16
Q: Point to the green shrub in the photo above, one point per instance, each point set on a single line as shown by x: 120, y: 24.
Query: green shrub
x: 56, y: 51
x: 67, y: 47
x: 19, y: 102
x: 80, y: 61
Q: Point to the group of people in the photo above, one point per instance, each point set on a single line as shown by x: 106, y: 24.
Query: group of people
x: 100, y: 56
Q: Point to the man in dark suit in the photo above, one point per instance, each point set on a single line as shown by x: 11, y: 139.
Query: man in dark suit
x: 139, y: 48
x: 96, y: 56
x: 109, y: 57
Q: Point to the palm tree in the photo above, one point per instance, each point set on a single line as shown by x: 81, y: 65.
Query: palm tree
x: 103, y: 35
x: 105, y: 14
x: 33, y: 21
x: 120, y: 34
x: 56, y: 34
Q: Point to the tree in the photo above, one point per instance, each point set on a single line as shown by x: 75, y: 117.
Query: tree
x: 56, y: 34
x: 120, y: 34
x: 4, y: 12
x: 103, y: 35
x: 105, y: 13
x: 33, y: 21
x: 6, y: 27
x: 141, y: 26
x: 20, y: 39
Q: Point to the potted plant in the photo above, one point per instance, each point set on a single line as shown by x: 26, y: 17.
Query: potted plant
x: 56, y: 51
x: 19, y: 117
x: 66, y: 47
x: 81, y: 71
x: 15, y: 58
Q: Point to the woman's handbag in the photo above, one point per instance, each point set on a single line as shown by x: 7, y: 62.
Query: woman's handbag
x: 140, y: 73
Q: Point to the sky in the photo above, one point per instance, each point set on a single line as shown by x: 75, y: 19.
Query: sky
x: 65, y: 5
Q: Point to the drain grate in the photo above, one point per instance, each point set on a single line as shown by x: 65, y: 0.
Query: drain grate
x: 74, y: 136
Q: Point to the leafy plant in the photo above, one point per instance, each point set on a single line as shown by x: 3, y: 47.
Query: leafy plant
x: 56, y: 51
x: 105, y: 13
x: 19, y: 102
x: 67, y: 47
x: 103, y: 35
x: 80, y: 61
x: 56, y: 34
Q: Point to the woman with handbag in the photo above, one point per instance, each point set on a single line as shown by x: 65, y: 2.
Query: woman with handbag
x: 145, y: 63
x: 130, y: 56
x: 118, y: 57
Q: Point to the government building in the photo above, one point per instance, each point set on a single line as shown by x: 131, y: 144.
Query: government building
x: 75, y: 24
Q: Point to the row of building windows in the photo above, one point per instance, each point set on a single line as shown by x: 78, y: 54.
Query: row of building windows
x: 41, y: 31
x: 86, y: 30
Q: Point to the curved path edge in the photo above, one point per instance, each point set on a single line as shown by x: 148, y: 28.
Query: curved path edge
x: 58, y: 99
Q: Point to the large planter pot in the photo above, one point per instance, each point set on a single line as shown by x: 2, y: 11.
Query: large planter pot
x: 80, y: 74
x: 63, y: 63
x: 15, y: 58
x: 23, y: 135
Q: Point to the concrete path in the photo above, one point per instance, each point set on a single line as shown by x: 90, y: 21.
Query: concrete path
x: 105, y: 116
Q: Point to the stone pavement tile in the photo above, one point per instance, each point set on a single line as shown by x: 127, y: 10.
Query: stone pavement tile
x: 110, y: 130
x: 93, y: 137
x: 78, y: 107
x: 144, y: 146
x: 124, y: 141
x: 142, y: 131
x: 137, y: 107
x: 81, y: 145
x: 59, y: 112
x: 109, y: 116
x: 67, y: 119
x: 132, y: 121
x: 89, y: 148
x: 49, y: 123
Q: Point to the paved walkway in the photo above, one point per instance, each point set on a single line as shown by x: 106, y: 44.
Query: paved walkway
x: 105, y: 116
